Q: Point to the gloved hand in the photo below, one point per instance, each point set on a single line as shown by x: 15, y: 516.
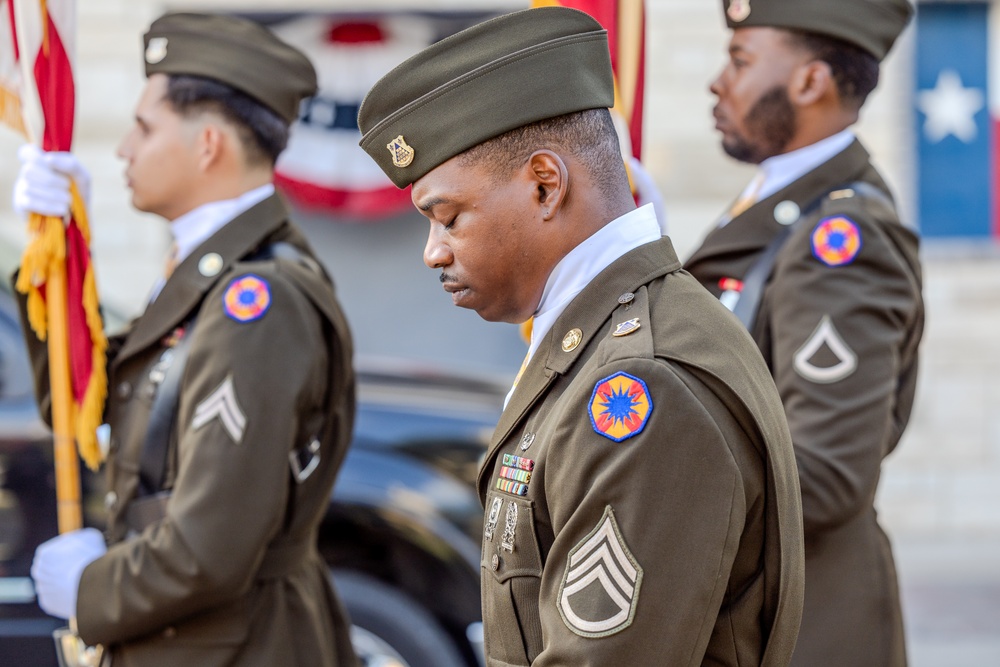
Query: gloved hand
x: 58, y: 566
x: 42, y: 186
x: 646, y: 190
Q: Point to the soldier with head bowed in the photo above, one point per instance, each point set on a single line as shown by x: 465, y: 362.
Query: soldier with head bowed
x: 814, y: 260
x: 231, y: 397
x: 640, y: 492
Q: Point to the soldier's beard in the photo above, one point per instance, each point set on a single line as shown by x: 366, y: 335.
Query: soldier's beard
x: 770, y: 125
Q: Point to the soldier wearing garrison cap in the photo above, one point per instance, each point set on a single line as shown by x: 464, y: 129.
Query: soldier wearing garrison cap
x: 231, y: 398
x: 640, y: 492
x: 815, y: 261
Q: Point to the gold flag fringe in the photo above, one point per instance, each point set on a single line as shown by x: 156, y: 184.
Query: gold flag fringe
x: 48, y: 246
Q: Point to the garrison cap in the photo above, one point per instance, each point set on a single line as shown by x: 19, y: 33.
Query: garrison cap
x: 872, y: 25
x: 494, y: 77
x: 235, y: 51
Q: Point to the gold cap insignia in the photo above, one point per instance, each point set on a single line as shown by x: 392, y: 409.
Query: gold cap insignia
x: 156, y: 50
x: 571, y: 340
x: 402, y: 154
x: 738, y: 10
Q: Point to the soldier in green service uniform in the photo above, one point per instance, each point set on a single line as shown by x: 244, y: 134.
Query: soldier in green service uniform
x: 814, y: 260
x: 231, y: 398
x: 641, y: 500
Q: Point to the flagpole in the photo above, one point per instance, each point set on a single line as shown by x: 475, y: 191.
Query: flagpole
x: 67, y: 465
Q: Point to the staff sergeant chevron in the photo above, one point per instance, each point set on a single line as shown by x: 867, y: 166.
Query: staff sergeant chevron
x: 600, y: 588
x: 222, y: 403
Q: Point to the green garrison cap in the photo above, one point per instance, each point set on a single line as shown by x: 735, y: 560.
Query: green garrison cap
x: 237, y: 52
x: 496, y: 76
x: 871, y: 24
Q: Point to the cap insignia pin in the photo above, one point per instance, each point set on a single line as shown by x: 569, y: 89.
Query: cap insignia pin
x: 402, y: 153
x: 738, y: 10
x: 627, y: 327
x: 156, y: 50
x: 571, y: 340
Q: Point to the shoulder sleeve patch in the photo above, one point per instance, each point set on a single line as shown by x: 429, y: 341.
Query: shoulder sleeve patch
x: 247, y: 298
x: 600, y: 587
x: 620, y: 406
x: 836, y: 240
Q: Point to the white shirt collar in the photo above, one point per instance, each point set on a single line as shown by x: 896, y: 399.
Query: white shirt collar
x: 582, y: 264
x: 194, y: 227
x: 783, y: 170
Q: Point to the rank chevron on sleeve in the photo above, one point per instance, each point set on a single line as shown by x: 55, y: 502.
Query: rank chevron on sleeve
x: 222, y: 403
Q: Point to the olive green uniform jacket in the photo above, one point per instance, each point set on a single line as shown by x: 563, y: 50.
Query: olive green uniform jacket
x: 678, y: 545
x: 231, y: 574
x: 841, y: 342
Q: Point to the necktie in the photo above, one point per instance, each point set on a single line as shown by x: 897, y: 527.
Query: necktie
x: 749, y: 198
x: 171, y: 263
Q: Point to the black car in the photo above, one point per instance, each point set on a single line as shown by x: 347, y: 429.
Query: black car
x: 401, y: 534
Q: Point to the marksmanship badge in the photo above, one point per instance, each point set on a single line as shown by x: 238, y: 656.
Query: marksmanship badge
x: 600, y: 588
x: 402, y: 154
x: 620, y: 406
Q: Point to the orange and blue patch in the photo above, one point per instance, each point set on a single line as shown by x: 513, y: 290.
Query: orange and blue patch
x: 836, y: 241
x: 620, y: 406
x: 247, y: 298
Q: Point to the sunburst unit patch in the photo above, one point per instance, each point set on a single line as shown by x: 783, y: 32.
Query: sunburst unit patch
x: 836, y: 241
x: 247, y: 298
x: 620, y: 406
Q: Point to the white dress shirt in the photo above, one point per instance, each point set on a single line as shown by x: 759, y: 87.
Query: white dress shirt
x: 197, y: 225
x: 582, y: 264
x: 782, y: 170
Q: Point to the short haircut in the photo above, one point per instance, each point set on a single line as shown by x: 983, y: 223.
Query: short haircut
x: 588, y: 135
x: 854, y: 70
x: 262, y: 132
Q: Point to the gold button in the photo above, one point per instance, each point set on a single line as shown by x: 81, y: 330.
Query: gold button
x: 210, y: 265
x: 572, y: 340
x: 495, y: 563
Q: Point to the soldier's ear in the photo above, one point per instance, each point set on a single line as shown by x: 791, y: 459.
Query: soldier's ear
x: 811, y: 82
x: 212, y: 143
x: 551, y: 179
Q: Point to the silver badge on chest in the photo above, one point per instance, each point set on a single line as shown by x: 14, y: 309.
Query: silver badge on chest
x: 510, y: 524
x: 493, y: 518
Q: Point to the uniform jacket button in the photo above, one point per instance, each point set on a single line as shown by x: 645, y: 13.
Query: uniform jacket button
x: 124, y: 390
x: 169, y: 632
x: 495, y: 563
x: 110, y: 500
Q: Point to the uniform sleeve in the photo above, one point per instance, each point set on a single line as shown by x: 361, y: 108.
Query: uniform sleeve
x: 842, y: 304
x: 250, y: 377
x: 646, y: 529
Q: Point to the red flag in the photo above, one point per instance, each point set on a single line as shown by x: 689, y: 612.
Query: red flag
x: 36, y: 83
x: 625, y: 21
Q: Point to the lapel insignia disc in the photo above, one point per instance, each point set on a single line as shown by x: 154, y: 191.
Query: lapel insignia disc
x: 222, y: 403
x: 836, y: 241
x: 247, y: 298
x: 739, y: 10
x: 210, y: 264
x: 620, y: 406
x: 600, y: 588
x: 402, y: 153
x: 571, y: 340
x: 625, y: 328
x: 807, y: 359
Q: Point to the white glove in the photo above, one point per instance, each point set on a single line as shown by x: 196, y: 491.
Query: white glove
x: 646, y: 190
x: 42, y: 186
x: 58, y: 566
